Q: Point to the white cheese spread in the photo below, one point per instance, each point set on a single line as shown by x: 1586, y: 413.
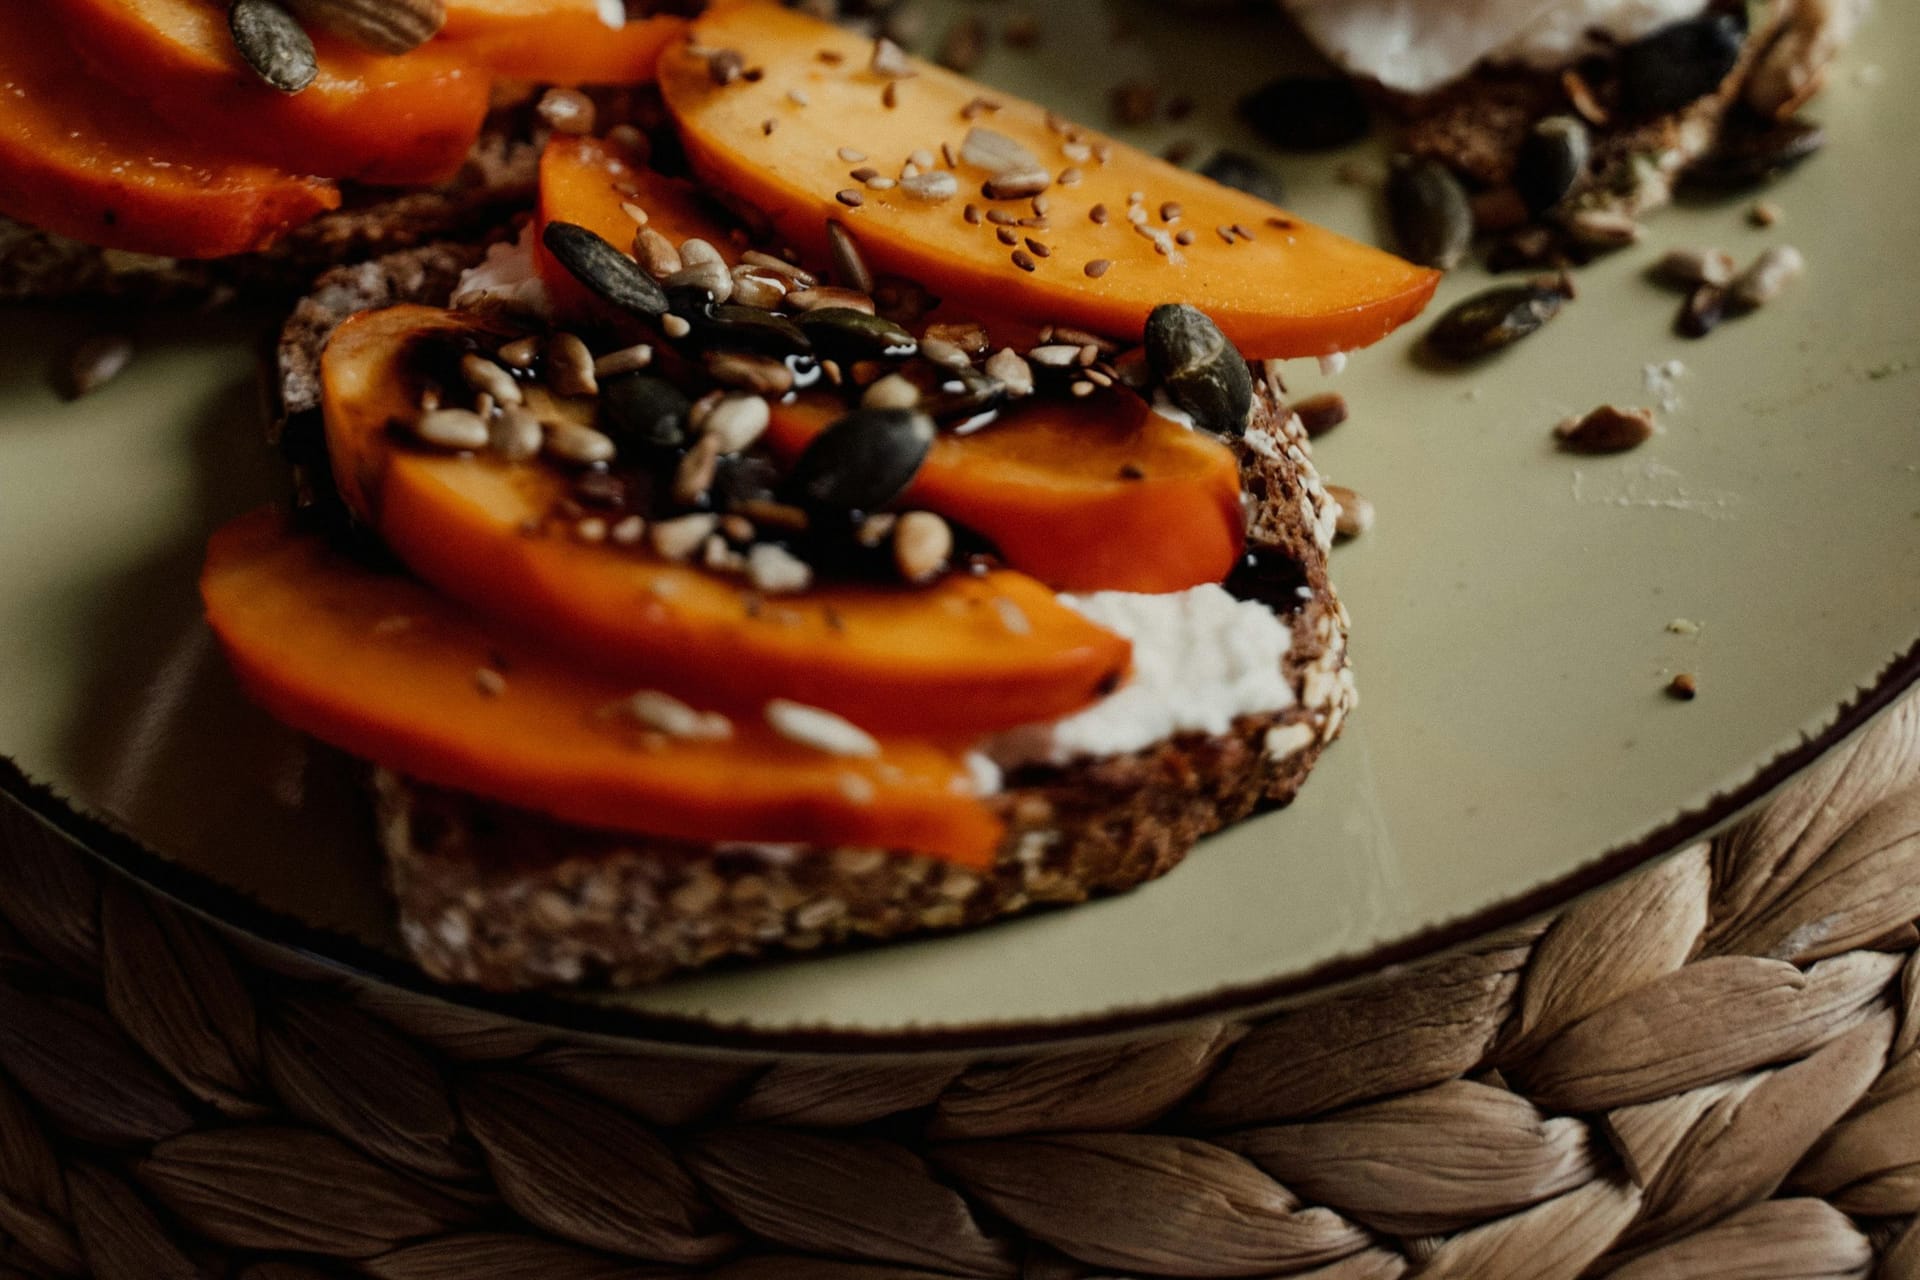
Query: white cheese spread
x: 507, y: 280
x: 1415, y: 46
x: 1201, y: 659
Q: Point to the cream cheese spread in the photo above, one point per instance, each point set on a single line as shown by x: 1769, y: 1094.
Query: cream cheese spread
x: 1201, y: 660
x: 1415, y: 46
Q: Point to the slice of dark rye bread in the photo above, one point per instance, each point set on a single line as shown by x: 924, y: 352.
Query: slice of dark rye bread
x: 507, y: 899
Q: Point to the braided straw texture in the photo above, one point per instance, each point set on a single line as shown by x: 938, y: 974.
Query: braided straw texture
x: 1712, y: 1069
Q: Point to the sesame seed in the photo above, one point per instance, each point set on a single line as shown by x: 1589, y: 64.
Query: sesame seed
x: 851, y: 156
x: 1039, y: 250
x: 1008, y: 236
x: 880, y: 184
x: 890, y: 96
x: 489, y: 682
x: 1099, y: 267
x: 865, y: 173
x: 832, y: 57
x: 1040, y: 206
x: 850, y: 198
x: 1070, y: 177
x: 768, y: 125
x: 1137, y: 216
x: 1001, y: 218
x: 798, y: 97
x: 1225, y: 233
x: 1241, y: 231
x: 1184, y: 236
x: 635, y: 212
x: 972, y: 214
x: 1022, y: 261
x: 946, y: 155
x: 1169, y: 211
x: 920, y: 156
x: 821, y: 730
x: 1098, y: 213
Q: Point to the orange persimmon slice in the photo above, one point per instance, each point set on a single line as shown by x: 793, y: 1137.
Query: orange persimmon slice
x: 402, y: 120
x: 969, y: 655
x: 379, y: 666
x: 1093, y: 494
x: 82, y: 160
x: 776, y: 140
x: 556, y: 41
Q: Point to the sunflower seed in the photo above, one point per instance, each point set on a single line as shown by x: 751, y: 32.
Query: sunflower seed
x: 890, y: 392
x: 570, y: 367
x: 1769, y: 275
x: 1606, y: 430
x: 1431, y: 215
x: 679, y: 538
x: 453, y: 429
x: 761, y: 375
x: 515, y: 434
x: 1199, y: 369
x: 273, y: 44
x: 656, y: 253
x: 737, y: 421
x: 777, y: 571
x: 488, y: 378
x: 1007, y: 368
x: 693, y: 478
x: 611, y: 274
x: 625, y: 360
x: 1493, y: 320
x: 922, y: 546
x: 754, y: 287
x: 579, y: 446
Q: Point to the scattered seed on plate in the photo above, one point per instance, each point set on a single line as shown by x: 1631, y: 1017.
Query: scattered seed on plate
x: 95, y: 362
x: 1493, y: 320
x: 1767, y: 278
x: 1321, y: 413
x: 1702, y: 312
x: 1690, y: 268
x: 1356, y: 514
x: 1683, y: 687
x: 1606, y: 430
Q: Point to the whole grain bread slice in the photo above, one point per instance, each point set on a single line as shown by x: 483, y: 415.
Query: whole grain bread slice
x: 508, y: 899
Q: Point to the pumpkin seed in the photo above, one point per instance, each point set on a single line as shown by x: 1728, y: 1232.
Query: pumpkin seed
x: 1308, y: 113
x: 1243, y: 172
x: 1552, y: 161
x: 738, y: 328
x: 1493, y: 320
x: 384, y: 26
x: 862, y: 462
x: 273, y: 43
x: 1747, y: 155
x: 641, y: 411
x: 1606, y: 430
x: 452, y: 429
x: 1680, y: 63
x: 611, y: 274
x: 1431, y: 215
x: 1199, y: 369
x: 841, y: 333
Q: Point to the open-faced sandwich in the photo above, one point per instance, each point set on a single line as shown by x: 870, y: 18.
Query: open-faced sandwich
x: 1568, y: 122
x: 182, y: 148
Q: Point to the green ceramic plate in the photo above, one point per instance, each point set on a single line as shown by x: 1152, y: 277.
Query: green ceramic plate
x: 1512, y: 609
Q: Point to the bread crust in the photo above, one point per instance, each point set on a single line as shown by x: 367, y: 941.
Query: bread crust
x: 506, y: 899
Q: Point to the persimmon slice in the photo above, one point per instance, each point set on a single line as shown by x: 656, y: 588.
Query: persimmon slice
x: 83, y: 160
x: 1093, y: 494
x: 378, y: 119
x: 556, y: 41
x: 776, y: 141
x: 381, y: 667
x: 586, y: 181
x: 970, y: 655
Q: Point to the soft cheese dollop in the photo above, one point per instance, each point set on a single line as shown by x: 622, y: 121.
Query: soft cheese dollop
x: 1415, y: 46
x: 507, y: 280
x: 1201, y: 659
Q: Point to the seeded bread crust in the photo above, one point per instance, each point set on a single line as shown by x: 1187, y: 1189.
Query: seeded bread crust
x: 500, y: 176
x: 507, y: 899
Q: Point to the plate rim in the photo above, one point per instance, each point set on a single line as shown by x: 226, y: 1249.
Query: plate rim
x: 357, y: 960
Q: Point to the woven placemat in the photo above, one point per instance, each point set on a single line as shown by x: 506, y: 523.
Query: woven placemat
x: 1711, y: 1069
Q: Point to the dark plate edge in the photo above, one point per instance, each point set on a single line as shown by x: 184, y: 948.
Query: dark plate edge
x: 355, y: 960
